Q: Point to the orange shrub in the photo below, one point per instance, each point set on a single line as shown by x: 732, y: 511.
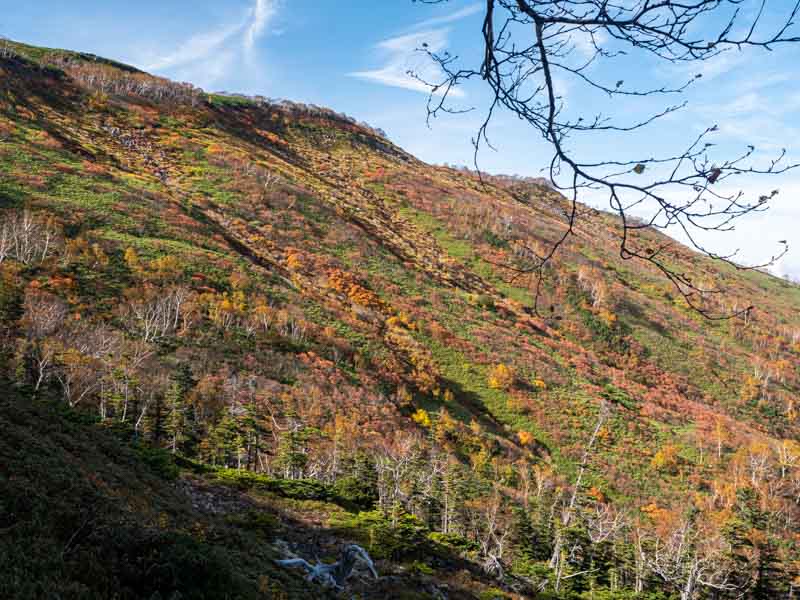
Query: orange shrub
x: 525, y: 437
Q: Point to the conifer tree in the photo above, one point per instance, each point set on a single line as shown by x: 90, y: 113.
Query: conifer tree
x: 175, y: 405
x: 174, y: 400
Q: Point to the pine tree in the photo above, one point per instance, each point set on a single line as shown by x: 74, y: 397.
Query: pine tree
x: 756, y: 548
x: 225, y: 440
x: 771, y: 574
x: 176, y: 414
x: 524, y: 535
x: 455, y: 489
x: 291, y: 458
x: 153, y: 419
x: 359, y: 481
x: 175, y: 404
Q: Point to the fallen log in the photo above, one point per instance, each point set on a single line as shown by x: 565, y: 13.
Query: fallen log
x: 333, y: 575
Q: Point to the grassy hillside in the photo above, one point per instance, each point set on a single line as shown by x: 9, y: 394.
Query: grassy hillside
x: 273, y: 298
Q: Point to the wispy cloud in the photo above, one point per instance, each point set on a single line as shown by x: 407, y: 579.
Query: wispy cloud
x: 263, y: 12
x: 713, y: 68
x: 207, y: 56
x: 463, y: 13
x: 406, y: 65
x: 761, y: 117
x: 197, y: 47
x: 586, y: 44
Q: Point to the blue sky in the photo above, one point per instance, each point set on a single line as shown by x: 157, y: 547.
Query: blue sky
x: 352, y: 55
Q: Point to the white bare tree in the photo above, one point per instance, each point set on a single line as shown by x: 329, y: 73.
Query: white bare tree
x: 394, y: 463
x: 26, y: 237
x: 85, y: 356
x: 43, y: 320
x: 557, y: 559
x: 491, y: 528
x: 691, y: 558
x: 157, y: 313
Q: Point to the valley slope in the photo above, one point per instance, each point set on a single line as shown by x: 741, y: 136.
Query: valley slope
x: 287, y: 310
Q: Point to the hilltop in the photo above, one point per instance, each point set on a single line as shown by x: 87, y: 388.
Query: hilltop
x: 246, y: 330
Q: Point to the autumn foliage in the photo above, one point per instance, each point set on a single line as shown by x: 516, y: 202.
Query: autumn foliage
x: 277, y: 293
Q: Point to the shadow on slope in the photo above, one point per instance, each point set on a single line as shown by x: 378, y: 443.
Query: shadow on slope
x: 85, y: 514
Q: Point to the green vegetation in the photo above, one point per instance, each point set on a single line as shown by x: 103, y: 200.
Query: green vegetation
x: 233, y: 332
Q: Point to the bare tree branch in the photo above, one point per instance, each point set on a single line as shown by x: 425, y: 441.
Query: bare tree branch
x: 528, y: 44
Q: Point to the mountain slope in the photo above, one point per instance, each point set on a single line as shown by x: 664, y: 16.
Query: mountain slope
x: 276, y: 288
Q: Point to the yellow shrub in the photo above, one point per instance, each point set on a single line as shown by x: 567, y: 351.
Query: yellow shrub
x: 665, y: 459
x: 393, y: 322
x: 525, y: 437
x: 422, y: 417
x: 132, y: 259
x: 294, y: 261
x: 608, y: 317
x: 751, y: 388
x: 501, y: 377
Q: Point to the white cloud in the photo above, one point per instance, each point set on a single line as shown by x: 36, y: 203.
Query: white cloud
x: 746, y: 103
x: 463, y: 13
x: 788, y: 266
x: 760, y: 119
x: 719, y: 65
x: 586, y: 44
x: 763, y: 80
x: 209, y: 71
x: 197, y: 47
x: 404, y: 55
x: 206, y: 57
x: 756, y: 237
x: 263, y: 12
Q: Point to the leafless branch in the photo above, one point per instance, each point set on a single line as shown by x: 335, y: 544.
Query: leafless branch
x: 528, y: 45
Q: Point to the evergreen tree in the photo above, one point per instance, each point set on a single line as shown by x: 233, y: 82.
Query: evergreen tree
x: 176, y: 408
x: 291, y: 459
x: 524, y: 535
x: 359, y: 481
x: 771, y: 575
x: 176, y: 414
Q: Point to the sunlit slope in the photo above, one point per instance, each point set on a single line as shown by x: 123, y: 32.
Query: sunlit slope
x: 365, y: 293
